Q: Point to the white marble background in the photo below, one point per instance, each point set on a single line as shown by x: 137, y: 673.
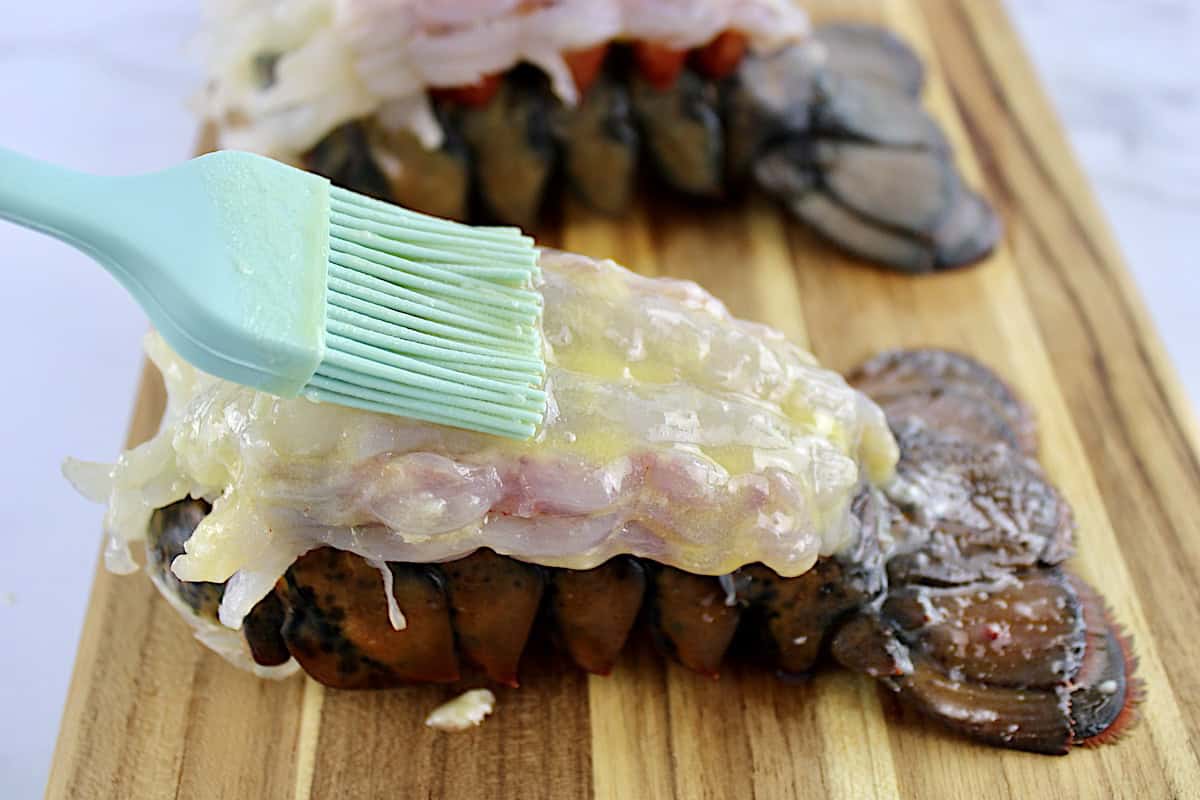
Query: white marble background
x: 101, y: 87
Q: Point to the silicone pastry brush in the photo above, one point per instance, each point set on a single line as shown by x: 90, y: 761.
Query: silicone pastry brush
x: 271, y: 277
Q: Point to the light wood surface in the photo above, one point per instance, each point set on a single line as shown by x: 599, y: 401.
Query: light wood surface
x: 152, y: 714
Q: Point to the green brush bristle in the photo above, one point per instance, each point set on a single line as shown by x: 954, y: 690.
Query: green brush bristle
x: 431, y: 319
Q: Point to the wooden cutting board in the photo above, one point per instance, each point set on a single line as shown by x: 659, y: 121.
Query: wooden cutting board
x: 153, y: 714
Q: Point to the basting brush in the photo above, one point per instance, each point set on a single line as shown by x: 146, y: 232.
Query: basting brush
x: 271, y: 277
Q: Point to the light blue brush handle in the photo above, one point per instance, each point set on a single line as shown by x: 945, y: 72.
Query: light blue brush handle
x: 162, y: 235
x: 105, y: 217
x: 79, y: 209
x: 266, y: 275
x: 49, y: 198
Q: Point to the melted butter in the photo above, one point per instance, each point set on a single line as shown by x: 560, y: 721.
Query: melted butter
x: 596, y: 444
x: 609, y: 363
x: 734, y: 459
x: 601, y: 362
x: 650, y: 372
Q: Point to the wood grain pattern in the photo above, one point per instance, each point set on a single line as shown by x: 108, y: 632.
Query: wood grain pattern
x: 151, y: 714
